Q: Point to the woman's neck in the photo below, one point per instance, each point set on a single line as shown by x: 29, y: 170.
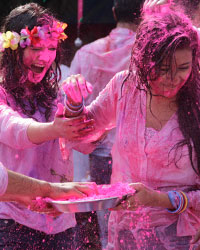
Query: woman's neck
x: 130, y: 26
x: 159, y: 110
x: 162, y: 102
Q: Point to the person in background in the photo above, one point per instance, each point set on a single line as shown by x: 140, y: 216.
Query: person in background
x: 31, y: 123
x: 64, y: 72
x: 98, y: 62
x: 191, y: 8
x: 155, y: 107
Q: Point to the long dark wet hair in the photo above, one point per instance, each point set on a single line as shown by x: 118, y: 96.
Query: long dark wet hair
x: 12, y: 67
x: 158, y: 37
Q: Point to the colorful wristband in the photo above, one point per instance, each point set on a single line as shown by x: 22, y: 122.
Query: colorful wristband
x: 72, y: 106
x: 182, y: 204
x: 185, y: 202
x: 74, y: 111
x: 172, y: 197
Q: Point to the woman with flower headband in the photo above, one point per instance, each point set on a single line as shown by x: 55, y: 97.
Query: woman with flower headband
x: 31, y: 123
x: 155, y: 106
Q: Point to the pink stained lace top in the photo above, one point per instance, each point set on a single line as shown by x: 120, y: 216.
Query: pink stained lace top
x: 156, y: 164
x: 149, y: 133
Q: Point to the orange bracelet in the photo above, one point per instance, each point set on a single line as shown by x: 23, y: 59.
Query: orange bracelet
x: 185, y: 202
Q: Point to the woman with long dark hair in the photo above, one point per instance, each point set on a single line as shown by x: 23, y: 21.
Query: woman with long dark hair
x: 31, y: 124
x: 155, y: 106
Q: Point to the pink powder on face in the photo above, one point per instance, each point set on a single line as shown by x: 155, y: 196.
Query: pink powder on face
x: 38, y: 59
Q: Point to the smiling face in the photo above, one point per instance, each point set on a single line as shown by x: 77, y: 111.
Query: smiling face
x: 38, y: 59
x: 170, y: 80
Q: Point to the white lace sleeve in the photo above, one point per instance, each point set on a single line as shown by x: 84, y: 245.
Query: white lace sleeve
x: 104, y: 108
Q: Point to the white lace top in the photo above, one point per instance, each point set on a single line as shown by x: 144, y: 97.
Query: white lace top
x: 155, y: 163
x: 149, y: 133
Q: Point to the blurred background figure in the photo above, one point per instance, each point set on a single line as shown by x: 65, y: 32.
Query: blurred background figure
x: 191, y: 8
x: 98, y: 62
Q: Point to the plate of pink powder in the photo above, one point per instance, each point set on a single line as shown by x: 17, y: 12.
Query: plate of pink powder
x: 108, y: 196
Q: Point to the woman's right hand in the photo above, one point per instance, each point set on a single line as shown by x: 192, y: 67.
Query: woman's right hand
x: 68, y: 190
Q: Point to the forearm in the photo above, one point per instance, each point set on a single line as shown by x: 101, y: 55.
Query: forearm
x: 21, y: 186
x: 162, y: 200
x: 41, y: 132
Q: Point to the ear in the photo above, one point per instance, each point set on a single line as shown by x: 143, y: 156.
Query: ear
x: 114, y: 14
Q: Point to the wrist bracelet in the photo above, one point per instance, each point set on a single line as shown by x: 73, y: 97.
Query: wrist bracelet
x: 172, y: 197
x: 73, y: 106
x: 185, y: 202
x: 182, y: 201
x: 74, y: 111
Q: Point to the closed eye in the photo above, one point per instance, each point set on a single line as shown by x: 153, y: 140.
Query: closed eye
x: 36, y: 48
x: 164, y: 71
x: 52, y: 49
x: 183, y: 68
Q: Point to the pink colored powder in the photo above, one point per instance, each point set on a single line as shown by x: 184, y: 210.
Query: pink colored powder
x: 107, y: 191
x: 103, y: 191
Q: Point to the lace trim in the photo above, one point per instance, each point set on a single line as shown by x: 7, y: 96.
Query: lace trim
x: 149, y: 133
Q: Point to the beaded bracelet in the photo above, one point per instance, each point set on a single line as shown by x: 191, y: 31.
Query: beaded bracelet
x: 74, y: 111
x: 185, y: 202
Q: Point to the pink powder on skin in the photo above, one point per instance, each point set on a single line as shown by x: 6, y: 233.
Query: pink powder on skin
x: 41, y: 204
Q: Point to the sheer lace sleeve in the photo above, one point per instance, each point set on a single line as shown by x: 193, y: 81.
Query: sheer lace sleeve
x: 103, y: 110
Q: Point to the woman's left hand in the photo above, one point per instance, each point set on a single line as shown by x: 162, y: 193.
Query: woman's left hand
x: 144, y: 197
